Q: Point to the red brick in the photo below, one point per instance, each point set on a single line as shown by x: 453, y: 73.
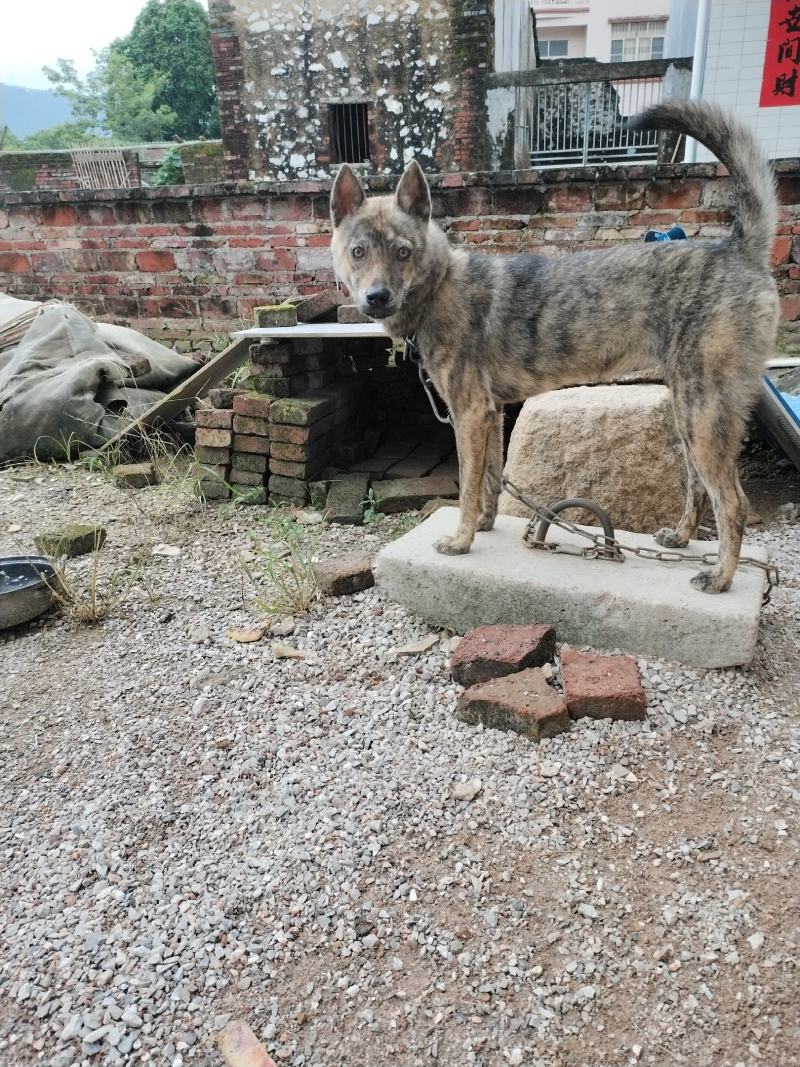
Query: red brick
x: 318, y: 305
x: 14, y: 263
x: 253, y: 405
x: 625, y: 196
x: 249, y: 461
x: 494, y: 651
x: 603, y: 687
x: 299, y: 435
x: 790, y: 307
x: 521, y: 702
x: 217, y: 457
x: 569, y: 198
x: 155, y: 262
x: 239, y: 476
x: 780, y: 250
x: 308, y: 469
x: 213, y: 438
x: 674, y: 194
x: 245, y: 424
x: 213, y: 419
x: 347, y: 574
x: 246, y: 443
x: 58, y: 215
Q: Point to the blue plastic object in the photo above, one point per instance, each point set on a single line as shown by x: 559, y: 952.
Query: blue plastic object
x: 674, y: 234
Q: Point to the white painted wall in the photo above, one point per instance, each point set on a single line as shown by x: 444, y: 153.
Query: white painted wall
x: 737, y: 37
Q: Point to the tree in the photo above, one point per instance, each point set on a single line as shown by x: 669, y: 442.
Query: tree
x: 115, y: 97
x: 171, y: 40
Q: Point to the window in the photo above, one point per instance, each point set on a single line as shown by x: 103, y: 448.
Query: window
x: 637, y: 40
x: 349, y: 126
x: 553, y: 49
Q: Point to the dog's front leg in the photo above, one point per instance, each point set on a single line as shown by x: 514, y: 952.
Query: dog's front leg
x: 472, y: 431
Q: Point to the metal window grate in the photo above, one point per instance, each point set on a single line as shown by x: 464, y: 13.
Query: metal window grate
x: 101, y: 168
x: 349, y: 125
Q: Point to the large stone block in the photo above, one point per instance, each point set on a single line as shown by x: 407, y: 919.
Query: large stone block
x: 615, y: 444
x: 641, y: 606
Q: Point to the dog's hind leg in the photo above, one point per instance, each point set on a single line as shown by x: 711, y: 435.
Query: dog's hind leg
x: 714, y: 451
x: 493, y: 473
x: 696, y: 501
x: 472, y: 427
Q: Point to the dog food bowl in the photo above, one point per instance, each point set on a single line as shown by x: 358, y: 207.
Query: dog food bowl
x: 28, y: 588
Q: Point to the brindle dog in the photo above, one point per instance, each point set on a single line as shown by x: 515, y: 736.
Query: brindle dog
x: 498, y: 329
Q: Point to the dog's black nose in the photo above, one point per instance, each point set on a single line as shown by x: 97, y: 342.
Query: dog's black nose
x: 378, y: 297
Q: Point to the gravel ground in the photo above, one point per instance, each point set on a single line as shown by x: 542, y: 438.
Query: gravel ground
x: 194, y: 831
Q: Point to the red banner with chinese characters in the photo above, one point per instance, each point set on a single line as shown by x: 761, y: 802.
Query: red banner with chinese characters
x: 781, y: 82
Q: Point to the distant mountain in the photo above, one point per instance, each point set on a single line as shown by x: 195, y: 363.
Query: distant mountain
x: 27, y: 111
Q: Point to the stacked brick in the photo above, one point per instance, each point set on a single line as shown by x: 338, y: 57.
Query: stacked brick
x: 293, y: 417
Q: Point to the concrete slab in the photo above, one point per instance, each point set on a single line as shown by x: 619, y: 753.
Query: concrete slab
x: 640, y: 606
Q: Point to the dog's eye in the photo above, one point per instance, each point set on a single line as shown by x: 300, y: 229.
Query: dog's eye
x: 358, y: 251
x: 403, y: 252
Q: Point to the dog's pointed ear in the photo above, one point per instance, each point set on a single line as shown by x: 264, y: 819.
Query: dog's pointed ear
x: 347, y: 195
x: 412, y: 193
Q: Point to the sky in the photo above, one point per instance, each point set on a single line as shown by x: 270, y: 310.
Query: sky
x: 36, y: 33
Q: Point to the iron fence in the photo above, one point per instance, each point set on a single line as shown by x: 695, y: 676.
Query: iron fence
x: 586, y: 124
x: 575, y: 113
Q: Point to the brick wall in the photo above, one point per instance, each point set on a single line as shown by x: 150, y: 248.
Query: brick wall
x: 191, y: 263
x: 23, y: 171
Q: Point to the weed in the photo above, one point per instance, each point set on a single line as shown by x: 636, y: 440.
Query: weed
x: 371, y: 513
x: 282, y: 566
x: 93, y: 602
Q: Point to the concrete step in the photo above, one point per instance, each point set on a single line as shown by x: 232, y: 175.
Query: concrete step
x: 644, y: 607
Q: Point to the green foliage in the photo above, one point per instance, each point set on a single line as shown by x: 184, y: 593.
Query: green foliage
x: 171, y: 41
x: 170, y: 171
x: 114, y: 97
x: 155, y: 84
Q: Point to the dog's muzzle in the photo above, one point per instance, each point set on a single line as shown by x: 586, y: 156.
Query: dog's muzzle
x: 377, y: 302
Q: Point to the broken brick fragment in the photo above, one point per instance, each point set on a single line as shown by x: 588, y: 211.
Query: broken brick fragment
x: 495, y: 651
x: 602, y: 687
x: 522, y: 702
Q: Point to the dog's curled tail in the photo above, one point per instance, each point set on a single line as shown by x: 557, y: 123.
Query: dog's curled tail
x: 733, y: 144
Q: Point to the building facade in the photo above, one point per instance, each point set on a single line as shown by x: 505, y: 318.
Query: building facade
x: 747, y: 58
x: 306, y: 84
x: 611, y: 31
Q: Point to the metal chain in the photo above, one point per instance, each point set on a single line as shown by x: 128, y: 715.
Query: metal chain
x: 603, y: 547
x: 413, y: 354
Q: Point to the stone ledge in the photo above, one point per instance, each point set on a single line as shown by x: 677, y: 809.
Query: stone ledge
x: 378, y: 183
x: 640, y: 606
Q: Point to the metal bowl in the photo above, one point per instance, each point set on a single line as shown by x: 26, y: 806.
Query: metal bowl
x: 29, y: 586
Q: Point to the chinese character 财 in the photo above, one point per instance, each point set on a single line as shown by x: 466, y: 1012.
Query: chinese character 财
x: 785, y: 85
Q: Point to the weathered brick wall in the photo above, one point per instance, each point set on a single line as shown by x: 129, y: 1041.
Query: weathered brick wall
x: 420, y: 66
x: 191, y: 263
x: 23, y: 171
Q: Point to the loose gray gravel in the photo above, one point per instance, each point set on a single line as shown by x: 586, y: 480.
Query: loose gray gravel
x: 194, y: 830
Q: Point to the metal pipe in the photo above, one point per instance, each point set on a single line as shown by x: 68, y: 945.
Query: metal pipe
x: 698, y: 69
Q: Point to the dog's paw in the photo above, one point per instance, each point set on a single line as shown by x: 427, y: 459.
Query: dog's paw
x: 486, y: 522
x: 709, y: 582
x: 670, y: 538
x: 452, y: 546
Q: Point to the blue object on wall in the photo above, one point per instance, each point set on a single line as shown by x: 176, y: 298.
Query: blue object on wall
x: 674, y: 234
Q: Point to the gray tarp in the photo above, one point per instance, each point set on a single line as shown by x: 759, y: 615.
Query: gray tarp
x: 68, y: 380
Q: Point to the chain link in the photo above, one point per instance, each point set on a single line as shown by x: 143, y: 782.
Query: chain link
x: 603, y: 547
